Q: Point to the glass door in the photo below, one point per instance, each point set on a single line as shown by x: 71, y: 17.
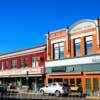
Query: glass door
x: 95, y: 84
x: 88, y: 86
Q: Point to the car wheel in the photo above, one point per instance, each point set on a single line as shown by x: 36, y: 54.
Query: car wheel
x: 57, y: 93
x: 42, y: 92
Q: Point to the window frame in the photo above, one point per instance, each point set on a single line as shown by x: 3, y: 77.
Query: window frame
x: 35, y: 61
x: 14, y: 63
x: 75, y: 49
x: 6, y: 64
x: 59, y: 50
x: 86, y: 48
x: 26, y: 62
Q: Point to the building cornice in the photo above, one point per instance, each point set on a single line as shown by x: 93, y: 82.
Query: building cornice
x: 23, y: 52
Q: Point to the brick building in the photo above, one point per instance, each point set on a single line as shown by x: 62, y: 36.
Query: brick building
x: 24, y: 67
x: 73, y: 55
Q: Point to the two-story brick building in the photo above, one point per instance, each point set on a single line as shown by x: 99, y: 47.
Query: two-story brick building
x: 24, y: 67
x: 73, y: 55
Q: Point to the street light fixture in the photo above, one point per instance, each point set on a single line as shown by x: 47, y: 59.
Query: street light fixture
x: 27, y: 73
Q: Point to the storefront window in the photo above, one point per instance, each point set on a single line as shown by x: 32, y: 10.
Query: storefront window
x: 89, y: 45
x: 72, y: 82
x: 88, y: 85
x: 14, y: 63
x: 77, y: 46
x: 65, y: 81
x: 58, y: 80
x: 50, y: 80
x: 40, y: 82
x: 59, y: 50
x: 79, y: 82
x: 95, y: 84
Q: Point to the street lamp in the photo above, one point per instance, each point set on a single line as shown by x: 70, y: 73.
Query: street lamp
x: 27, y: 73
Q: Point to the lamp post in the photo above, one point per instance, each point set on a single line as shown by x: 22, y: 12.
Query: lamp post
x: 27, y: 73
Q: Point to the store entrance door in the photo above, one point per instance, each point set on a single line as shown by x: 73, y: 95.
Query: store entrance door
x: 88, y: 86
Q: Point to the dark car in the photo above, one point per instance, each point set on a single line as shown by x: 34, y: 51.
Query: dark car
x: 3, y: 88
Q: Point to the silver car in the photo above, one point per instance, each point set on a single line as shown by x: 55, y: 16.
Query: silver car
x: 55, y: 88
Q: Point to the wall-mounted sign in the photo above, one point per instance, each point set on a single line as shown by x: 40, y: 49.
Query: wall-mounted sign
x: 74, y: 61
x: 59, y: 69
x: 82, y: 26
x: 96, y: 60
x: 22, y: 71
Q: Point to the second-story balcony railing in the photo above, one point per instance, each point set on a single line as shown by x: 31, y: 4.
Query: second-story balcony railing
x: 21, y: 71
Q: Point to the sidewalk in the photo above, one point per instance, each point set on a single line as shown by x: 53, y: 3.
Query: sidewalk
x: 93, y: 97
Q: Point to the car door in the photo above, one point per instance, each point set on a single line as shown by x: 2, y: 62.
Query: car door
x: 52, y: 88
x: 48, y: 88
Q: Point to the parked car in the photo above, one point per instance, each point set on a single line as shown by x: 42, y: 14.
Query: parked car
x: 55, y: 88
x: 3, y: 88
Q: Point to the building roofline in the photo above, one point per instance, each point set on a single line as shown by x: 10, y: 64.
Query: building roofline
x: 80, y: 21
x: 57, y: 30
x: 23, y: 50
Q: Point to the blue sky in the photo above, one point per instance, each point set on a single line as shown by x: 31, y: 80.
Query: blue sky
x: 24, y: 23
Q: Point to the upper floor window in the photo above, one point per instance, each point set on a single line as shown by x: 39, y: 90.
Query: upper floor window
x: 35, y: 61
x: 0, y: 65
x: 22, y: 62
x: 77, y: 46
x: 14, y: 63
x: 89, y: 45
x: 59, y: 50
x: 6, y: 64
x: 26, y: 62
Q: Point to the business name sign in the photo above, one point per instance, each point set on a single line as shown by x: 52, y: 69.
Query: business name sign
x: 74, y: 61
x: 36, y: 71
x: 96, y: 60
x: 22, y: 71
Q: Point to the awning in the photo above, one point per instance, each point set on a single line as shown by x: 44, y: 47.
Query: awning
x: 13, y: 76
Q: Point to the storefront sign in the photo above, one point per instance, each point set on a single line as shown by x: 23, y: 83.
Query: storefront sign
x: 96, y: 60
x: 59, y: 69
x: 74, y: 61
x: 35, y: 71
x: 22, y: 71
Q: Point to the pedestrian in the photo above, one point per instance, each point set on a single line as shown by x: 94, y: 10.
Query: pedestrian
x: 98, y: 92
x: 80, y: 90
x: 64, y: 88
x: 68, y: 91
